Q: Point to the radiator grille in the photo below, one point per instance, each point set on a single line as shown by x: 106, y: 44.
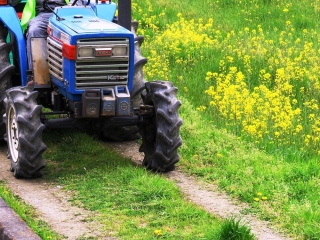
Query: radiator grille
x: 55, y: 59
x: 95, y: 72
x: 100, y: 72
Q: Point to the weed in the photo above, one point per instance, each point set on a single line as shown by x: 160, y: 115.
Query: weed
x: 233, y: 229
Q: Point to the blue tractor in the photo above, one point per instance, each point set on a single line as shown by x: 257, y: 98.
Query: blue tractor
x: 87, y: 74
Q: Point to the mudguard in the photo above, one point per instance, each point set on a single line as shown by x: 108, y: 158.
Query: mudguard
x: 9, y: 17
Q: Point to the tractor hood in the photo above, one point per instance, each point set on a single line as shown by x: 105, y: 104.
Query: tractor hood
x: 83, y: 20
x: 92, y: 25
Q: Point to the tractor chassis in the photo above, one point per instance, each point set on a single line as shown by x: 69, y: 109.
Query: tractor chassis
x: 141, y: 118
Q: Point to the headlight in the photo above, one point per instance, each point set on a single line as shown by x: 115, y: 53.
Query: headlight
x: 119, y: 51
x: 85, y: 52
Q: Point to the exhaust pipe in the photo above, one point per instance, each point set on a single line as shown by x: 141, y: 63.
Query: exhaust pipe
x: 124, y: 13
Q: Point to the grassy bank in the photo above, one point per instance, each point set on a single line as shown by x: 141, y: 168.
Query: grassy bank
x: 249, y: 71
x: 27, y: 213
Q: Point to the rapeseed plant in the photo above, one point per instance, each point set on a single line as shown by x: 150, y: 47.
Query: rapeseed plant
x: 260, y: 76
x: 281, y: 105
x: 264, y: 90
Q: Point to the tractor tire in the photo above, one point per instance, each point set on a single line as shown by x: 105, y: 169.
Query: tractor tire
x: 161, y: 138
x: 139, y: 61
x: 24, y: 132
x: 129, y: 133
x: 6, y: 70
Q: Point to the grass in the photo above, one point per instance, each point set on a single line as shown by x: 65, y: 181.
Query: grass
x: 233, y: 229
x: 257, y: 78
x: 243, y: 171
x: 131, y: 202
x: 269, y: 42
x: 277, y: 175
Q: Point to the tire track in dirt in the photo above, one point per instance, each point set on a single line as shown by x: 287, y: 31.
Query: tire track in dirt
x: 208, y: 197
x: 50, y: 202
x: 53, y: 207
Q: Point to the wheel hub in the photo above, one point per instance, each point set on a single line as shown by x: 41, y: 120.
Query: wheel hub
x: 13, y: 139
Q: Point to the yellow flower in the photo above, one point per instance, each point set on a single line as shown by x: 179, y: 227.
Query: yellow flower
x: 264, y: 198
x: 157, y: 232
x: 201, y: 108
x: 219, y: 155
x: 256, y: 199
x: 259, y: 193
x: 299, y: 128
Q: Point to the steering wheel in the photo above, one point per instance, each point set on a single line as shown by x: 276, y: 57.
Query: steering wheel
x: 75, y: 1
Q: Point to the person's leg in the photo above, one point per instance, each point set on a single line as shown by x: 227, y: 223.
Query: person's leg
x: 37, y: 27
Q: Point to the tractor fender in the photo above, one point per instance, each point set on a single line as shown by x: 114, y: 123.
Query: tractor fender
x: 9, y: 17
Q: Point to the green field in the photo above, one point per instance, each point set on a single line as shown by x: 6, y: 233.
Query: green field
x: 248, y: 75
x: 248, y: 78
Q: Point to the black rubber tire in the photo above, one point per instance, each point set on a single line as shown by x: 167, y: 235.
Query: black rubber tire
x: 161, y: 138
x: 6, y: 70
x: 24, y: 132
x: 139, y: 62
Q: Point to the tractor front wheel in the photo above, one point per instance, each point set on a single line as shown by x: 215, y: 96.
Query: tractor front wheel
x: 24, y: 132
x: 161, y: 136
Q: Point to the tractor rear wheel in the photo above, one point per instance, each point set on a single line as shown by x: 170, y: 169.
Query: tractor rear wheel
x: 161, y: 137
x: 24, y: 132
x: 6, y: 70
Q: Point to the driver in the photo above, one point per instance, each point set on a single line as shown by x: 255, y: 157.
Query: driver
x: 35, y: 20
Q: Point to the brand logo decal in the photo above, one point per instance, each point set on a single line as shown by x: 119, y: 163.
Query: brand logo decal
x: 92, y: 108
x: 124, y: 106
x: 115, y: 77
x: 103, y: 52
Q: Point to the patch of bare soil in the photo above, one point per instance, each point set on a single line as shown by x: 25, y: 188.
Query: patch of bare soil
x: 53, y: 206
x: 207, y: 196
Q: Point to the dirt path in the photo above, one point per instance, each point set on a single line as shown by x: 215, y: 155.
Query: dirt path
x: 53, y: 207
x: 208, y: 197
x: 51, y: 203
